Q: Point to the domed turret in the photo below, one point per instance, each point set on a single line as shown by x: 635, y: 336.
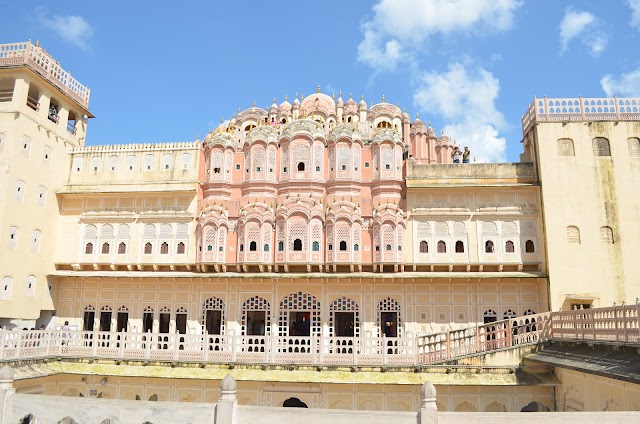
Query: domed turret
x: 340, y: 103
x: 274, y: 107
x: 285, y: 107
x: 296, y: 102
x: 362, y: 105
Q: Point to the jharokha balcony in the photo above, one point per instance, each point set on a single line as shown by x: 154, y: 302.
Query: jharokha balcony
x: 37, y: 59
x: 618, y: 325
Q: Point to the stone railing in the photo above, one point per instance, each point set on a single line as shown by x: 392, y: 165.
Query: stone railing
x: 580, y: 110
x: 41, y: 62
x: 617, y: 324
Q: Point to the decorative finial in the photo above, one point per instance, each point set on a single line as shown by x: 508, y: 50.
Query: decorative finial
x: 302, y: 96
x: 383, y: 98
x: 254, y: 103
x: 417, y: 116
x: 37, y: 43
x: 442, y: 132
x: 405, y: 110
x: 274, y: 100
x: 333, y: 96
x: 238, y: 110
x: 350, y: 95
x: 340, y: 93
x: 285, y: 97
x: 362, y: 97
x: 221, y: 120
x: 318, y: 90
x: 296, y: 95
x: 429, y: 124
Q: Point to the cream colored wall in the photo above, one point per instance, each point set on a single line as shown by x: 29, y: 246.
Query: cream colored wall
x: 590, y: 192
x: 502, y: 206
x: 427, y: 305
x: 387, y: 397
x: 21, y: 124
x: 131, y: 185
x: 587, y: 392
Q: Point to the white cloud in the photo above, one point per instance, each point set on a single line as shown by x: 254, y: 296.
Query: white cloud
x: 635, y: 13
x: 401, y: 26
x: 74, y: 29
x: 466, y: 101
x: 627, y: 85
x: 583, y: 26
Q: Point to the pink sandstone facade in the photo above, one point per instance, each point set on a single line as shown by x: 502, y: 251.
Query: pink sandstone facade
x: 309, y: 185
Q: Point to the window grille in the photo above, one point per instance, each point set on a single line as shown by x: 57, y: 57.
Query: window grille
x: 634, y: 147
x: 601, y: 147
x: 606, y: 235
x: 573, y: 235
x: 565, y: 147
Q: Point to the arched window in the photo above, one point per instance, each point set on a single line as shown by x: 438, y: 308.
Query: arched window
x: 88, y: 249
x: 148, y: 248
x: 242, y: 247
x: 164, y: 248
x: 105, y: 248
x: 388, y: 247
x: 573, y: 234
x: 488, y: 247
x: 424, y: 247
x: 281, y: 246
x: 565, y: 147
x: 266, y: 247
x: 459, y: 247
x: 253, y: 246
x: 315, y: 246
x: 330, y: 247
x: 606, y: 235
x: 343, y: 245
x: 297, y: 244
x: 377, y: 248
x: 122, y: 248
x: 356, y: 248
x: 529, y: 247
x: 509, y: 247
x: 442, y: 247
x: 601, y: 147
x: 300, y: 166
x: 180, y: 249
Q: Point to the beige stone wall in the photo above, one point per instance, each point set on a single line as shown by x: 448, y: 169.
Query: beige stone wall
x: 590, y: 210
x: 426, y: 304
x: 33, y: 164
x: 377, y: 397
x: 587, y: 392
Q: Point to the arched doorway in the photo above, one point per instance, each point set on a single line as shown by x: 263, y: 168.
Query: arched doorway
x: 294, y: 402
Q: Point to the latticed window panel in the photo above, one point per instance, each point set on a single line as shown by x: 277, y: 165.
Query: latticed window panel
x: 316, y: 233
x: 344, y: 158
x: 565, y: 147
x: 35, y: 240
x: 573, y: 235
x: 266, y: 238
x: 376, y: 164
x: 31, y: 285
x: 389, y: 304
x: 46, y: 155
x: 106, y: 231
x: 222, y: 239
x: 257, y: 303
x: 423, y: 229
x: 90, y: 232
x: 19, y: 191
x: 509, y: 229
x: 149, y: 232
x: 387, y: 157
x: 258, y: 155
x: 253, y: 233
x: 271, y: 171
x: 301, y: 153
x: 356, y: 159
x: 78, y: 164
x: 342, y: 233
x: 166, y: 231
x: 280, y: 231
x: 441, y: 229
x: 357, y: 234
x: 387, y: 236
x: 606, y: 235
x: 634, y: 147
x: 112, y: 163
x: 147, y: 162
x: 26, y: 147
x: 166, y: 162
x: 528, y: 229
x: 7, y: 286
x: 228, y: 163
x: 459, y: 229
x: 298, y: 230
x: 185, y: 161
x: 216, y: 165
x: 399, y: 239
x: 601, y: 147
x: 285, y: 157
x: 345, y: 304
x: 318, y: 156
x: 131, y: 162
x: 398, y: 162
x: 96, y: 164
x: 182, y: 231
x: 299, y: 302
x: 41, y: 198
x: 213, y: 304
x: 489, y: 228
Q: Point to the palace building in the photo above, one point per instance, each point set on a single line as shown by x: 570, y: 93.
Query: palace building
x: 308, y: 236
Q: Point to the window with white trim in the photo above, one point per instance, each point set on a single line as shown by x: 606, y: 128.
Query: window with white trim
x: 35, y: 240
x: 12, y: 241
x: 41, y: 196
x: 19, y: 191
x: 5, y: 290
x: 31, y: 285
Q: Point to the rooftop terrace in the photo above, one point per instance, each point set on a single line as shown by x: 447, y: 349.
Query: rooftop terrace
x: 580, y: 109
x: 37, y: 59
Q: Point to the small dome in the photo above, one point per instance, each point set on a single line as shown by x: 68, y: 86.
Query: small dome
x: 207, y: 138
x: 351, y: 101
x: 296, y: 102
x: 285, y: 106
x: 233, y: 121
x: 430, y: 131
x: 428, y: 391
x: 340, y: 103
x: 274, y: 107
x: 362, y: 105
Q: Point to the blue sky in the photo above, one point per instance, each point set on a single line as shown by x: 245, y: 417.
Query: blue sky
x: 166, y: 71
